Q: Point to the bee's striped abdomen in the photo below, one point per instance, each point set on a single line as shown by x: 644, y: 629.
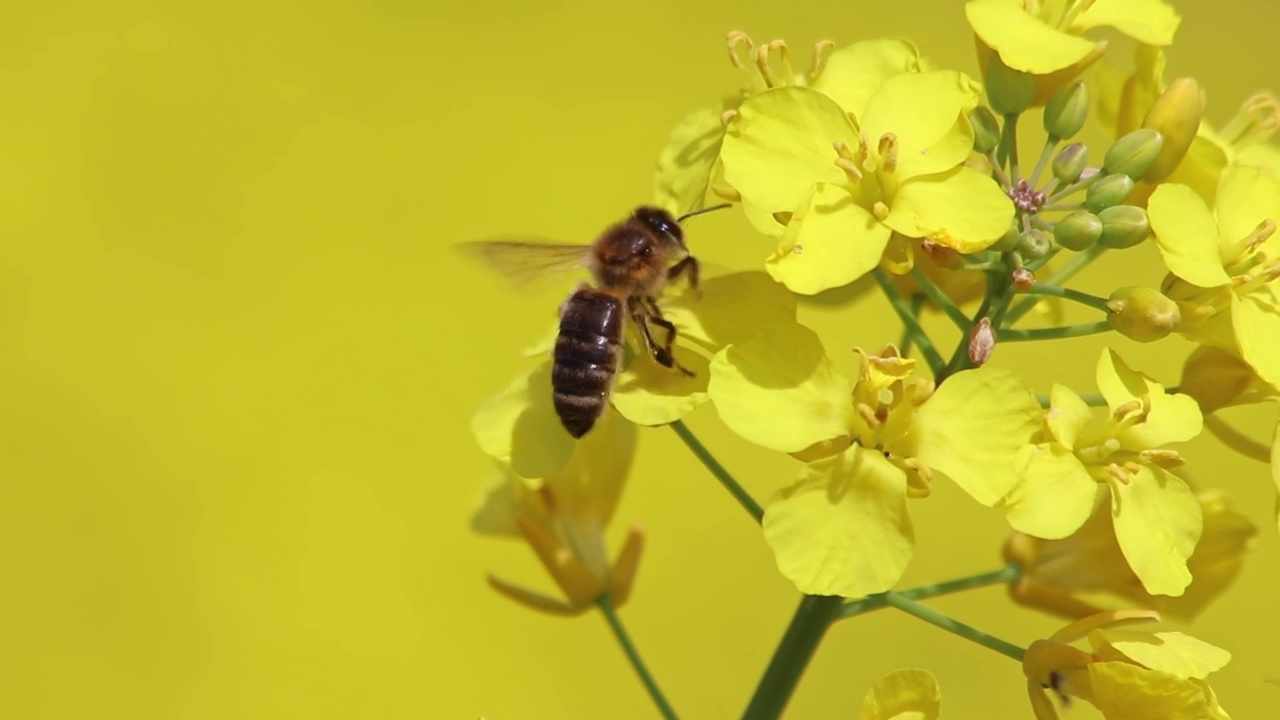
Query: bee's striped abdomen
x: 586, y: 358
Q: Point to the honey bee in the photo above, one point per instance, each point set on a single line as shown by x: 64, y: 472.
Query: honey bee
x: 630, y: 263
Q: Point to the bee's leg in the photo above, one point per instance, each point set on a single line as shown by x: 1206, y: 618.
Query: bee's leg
x: 662, y: 355
x: 688, y: 266
x: 655, y: 317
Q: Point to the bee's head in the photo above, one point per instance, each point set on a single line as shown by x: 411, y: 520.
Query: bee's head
x: 660, y: 222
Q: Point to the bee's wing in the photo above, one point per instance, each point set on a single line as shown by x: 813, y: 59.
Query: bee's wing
x: 523, y: 261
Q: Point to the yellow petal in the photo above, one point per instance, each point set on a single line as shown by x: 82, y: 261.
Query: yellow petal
x: 732, y: 307
x: 781, y: 142
x: 650, y: 394
x: 1175, y: 653
x: 520, y: 427
x: 781, y: 373
x: 907, y: 694
x: 854, y: 72
x: 1200, y: 169
x: 1186, y: 235
x: 1131, y: 692
x: 534, y: 600
x: 686, y: 165
x: 843, y: 529
x: 1152, y: 22
x: 1024, y: 42
x: 497, y: 512
x: 1257, y: 326
x: 1055, y: 495
x: 925, y: 112
x: 1173, y: 418
x: 1157, y: 522
x: 1067, y: 415
x: 829, y: 243
x: 1246, y: 197
x: 972, y: 428
x: 588, y: 489
x: 962, y: 209
x: 1219, y: 555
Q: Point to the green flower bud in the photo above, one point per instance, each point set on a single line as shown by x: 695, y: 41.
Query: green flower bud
x: 1078, y: 231
x: 1009, y: 240
x: 1034, y: 244
x: 1176, y: 116
x: 1107, y: 191
x: 986, y: 131
x: 1009, y: 91
x: 1066, y: 111
x: 1123, y: 226
x: 1134, y: 153
x: 1142, y: 314
x: 1070, y: 162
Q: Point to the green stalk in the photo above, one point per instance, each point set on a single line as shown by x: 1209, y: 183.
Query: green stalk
x: 1055, y: 333
x: 907, y: 339
x: 1009, y: 146
x: 799, y: 643
x: 1092, y: 301
x: 909, y: 322
x: 709, y: 461
x: 968, y: 632
x: 637, y: 664
x: 1050, y: 144
x: 1003, y: 576
x: 940, y: 299
x: 1068, y: 271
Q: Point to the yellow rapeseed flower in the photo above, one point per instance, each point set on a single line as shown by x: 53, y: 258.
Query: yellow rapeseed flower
x: 841, y: 182
x: 519, y: 426
x: 1128, y: 674
x: 1082, y: 458
x: 1044, y: 39
x: 1064, y: 577
x: 843, y: 527
x: 1224, y: 264
x: 907, y: 694
x: 563, y: 518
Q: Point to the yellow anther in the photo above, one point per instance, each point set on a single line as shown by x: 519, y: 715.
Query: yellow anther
x: 819, y: 61
x: 1120, y: 474
x: 842, y: 150
x: 727, y: 117
x: 880, y: 211
x: 736, y: 39
x: 1133, y: 411
x: 783, y: 217
x: 771, y: 78
x: 850, y: 170
x: 868, y: 415
x: 888, y: 149
x: 1160, y: 457
x: 1257, y: 120
x: 864, y: 154
x: 726, y: 192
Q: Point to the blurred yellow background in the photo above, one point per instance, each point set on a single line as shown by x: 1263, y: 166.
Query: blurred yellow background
x: 239, y: 361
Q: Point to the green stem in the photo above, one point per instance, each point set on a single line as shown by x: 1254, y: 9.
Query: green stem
x: 968, y: 632
x: 1050, y: 143
x: 709, y: 461
x: 1004, y: 575
x: 637, y: 664
x: 909, y: 322
x: 905, y: 342
x: 1092, y: 301
x: 1009, y: 146
x: 1236, y: 440
x: 1055, y: 333
x: 1090, y: 399
x: 940, y: 299
x: 799, y: 643
x: 1068, y: 271
x: 1073, y: 188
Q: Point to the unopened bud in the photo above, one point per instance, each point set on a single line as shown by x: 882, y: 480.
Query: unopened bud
x: 1078, y: 231
x: 1023, y: 279
x: 1107, y: 191
x: 1134, y: 153
x: 986, y: 131
x: 1066, y: 111
x: 1070, y: 162
x: 1142, y: 314
x: 982, y: 341
x: 1009, y: 91
x: 1034, y: 244
x: 1176, y: 116
x: 1123, y: 226
x: 1009, y: 240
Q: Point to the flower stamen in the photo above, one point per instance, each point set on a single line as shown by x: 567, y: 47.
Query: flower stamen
x: 888, y: 148
x: 819, y: 63
x: 735, y: 40
x: 1257, y: 120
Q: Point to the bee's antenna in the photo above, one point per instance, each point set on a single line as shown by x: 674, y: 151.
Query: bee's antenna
x: 690, y: 214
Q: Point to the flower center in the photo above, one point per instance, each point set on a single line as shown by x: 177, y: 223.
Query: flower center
x: 1107, y: 457
x: 1257, y: 120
